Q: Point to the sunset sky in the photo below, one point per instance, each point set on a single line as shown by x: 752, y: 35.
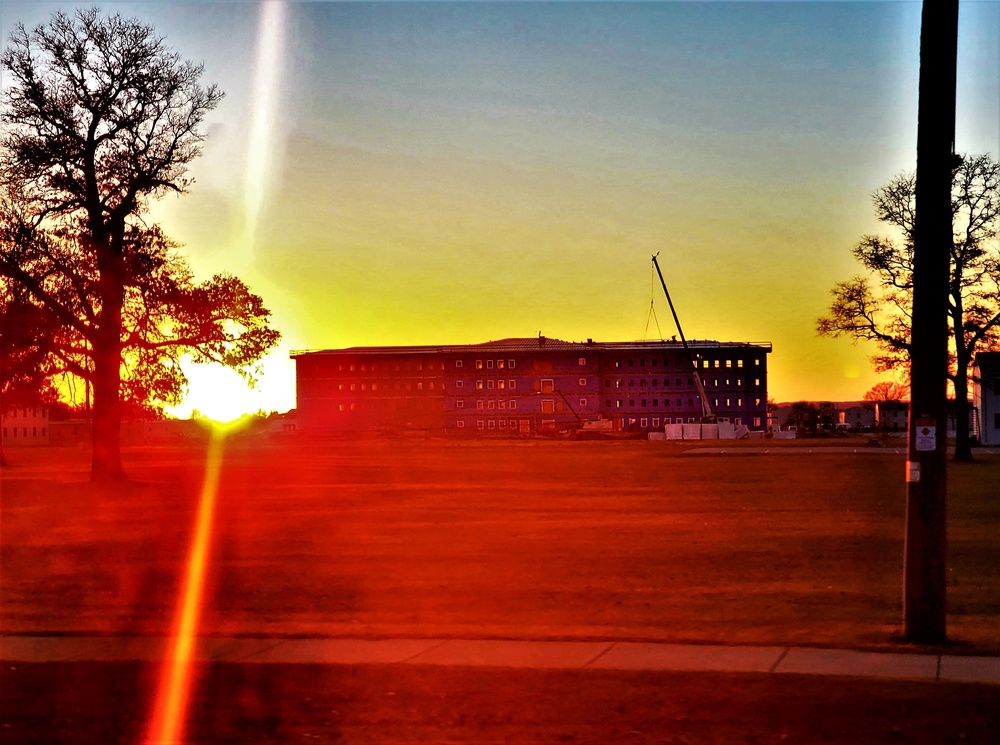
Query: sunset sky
x: 409, y: 173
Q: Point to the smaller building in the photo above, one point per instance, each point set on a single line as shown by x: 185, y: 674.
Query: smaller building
x: 892, y: 416
x: 986, y: 397
x: 858, y: 417
x: 25, y: 426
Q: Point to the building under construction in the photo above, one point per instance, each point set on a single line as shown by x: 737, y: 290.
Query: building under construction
x: 530, y: 386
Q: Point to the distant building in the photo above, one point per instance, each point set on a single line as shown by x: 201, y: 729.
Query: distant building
x: 892, y: 416
x: 858, y: 417
x: 526, y: 386
x: 25, y: 426
x: 986, y: 397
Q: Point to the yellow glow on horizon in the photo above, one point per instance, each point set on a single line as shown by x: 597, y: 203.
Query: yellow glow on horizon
x: 174, y: 691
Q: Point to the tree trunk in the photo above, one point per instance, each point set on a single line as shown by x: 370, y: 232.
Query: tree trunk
x: 106, y: 463
x: 106, y: 421
x: 963, y: 438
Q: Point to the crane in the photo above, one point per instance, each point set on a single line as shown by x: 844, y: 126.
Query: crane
x: 707, y: 417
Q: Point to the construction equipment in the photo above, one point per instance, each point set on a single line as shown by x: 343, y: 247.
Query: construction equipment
x: 707, y: 417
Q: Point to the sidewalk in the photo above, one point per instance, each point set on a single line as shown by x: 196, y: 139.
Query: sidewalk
x: 552, y: 655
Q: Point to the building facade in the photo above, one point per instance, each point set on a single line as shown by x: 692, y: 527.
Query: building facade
x: 25, y: 426
x: 986, y: 397
x: 516, y: 387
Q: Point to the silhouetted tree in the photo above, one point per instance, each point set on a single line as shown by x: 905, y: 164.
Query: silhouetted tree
x: 877, y: 306
x: 887, y: 390
x: 100, y: 117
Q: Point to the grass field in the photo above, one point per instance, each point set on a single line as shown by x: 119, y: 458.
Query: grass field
x: 553, y: 540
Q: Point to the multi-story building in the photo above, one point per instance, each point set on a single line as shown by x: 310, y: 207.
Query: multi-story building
x: 25, y: 426
x: 528, y: 386
x: 986, y: 397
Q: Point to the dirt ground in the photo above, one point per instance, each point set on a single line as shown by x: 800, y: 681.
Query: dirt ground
x: 525, y: 540
x: 553, y: 540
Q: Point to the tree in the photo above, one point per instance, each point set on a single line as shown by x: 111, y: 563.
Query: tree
x: 101, y: 117
x: 877, y: 306
x: 886, y: 390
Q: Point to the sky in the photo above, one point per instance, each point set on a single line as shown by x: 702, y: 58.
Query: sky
x: 450, y: 173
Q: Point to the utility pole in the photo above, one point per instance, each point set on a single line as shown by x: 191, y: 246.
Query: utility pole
x: 924, y: 579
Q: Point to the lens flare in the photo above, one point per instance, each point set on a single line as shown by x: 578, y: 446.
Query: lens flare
x: 261, y: 144
x: 173, y: 693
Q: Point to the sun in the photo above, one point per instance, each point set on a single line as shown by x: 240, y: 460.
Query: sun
x: 216, y: 392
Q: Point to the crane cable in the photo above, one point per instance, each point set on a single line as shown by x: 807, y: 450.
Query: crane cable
x: 652, y: 310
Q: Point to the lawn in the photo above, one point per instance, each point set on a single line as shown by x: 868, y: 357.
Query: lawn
x: 533, y: 540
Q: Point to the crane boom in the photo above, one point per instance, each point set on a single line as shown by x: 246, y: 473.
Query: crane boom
x: 706, y: 411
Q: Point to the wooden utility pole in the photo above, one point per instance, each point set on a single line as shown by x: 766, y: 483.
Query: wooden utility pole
x: 924, y: 592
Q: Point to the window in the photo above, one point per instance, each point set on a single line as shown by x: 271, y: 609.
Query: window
x: 480, y: 424
x: 480, y: 404
x: 547, y: 386
x: 756, y: 361
x: 460, y: 423
x: 548, y: 406
x: 499, y: 364
x: 618, y: 363
x: 490, y: 383
x: 631, y: 402
x: 582, y: 361
x: 501, y: 404
x: 729, y: 363
x: 631, y: 382
x: 458, y: 363
x: 479, y: 364
x: 656, y: 402
x: 756, y: 421
x: 493, y: 424
x: 420, y: 385
x: 479, y: 385
x: 500, y: 383
x: 510, y: 363
x: 631, y: 363
x: 656, y: 419
x: 642, y: 382
x: 460, y: 404
x: 502, y: 423
x: 489, y: 364
x: 996, y: 421
x: 642, y: 402
x: 490, y: 404
x: 513, y: 404
x: 642, y: 362
x: 738, y: 421
x: 739, y: 363
x: 459, y: 384
x: 510, y: 384
x: 644, y: 422
x: 618, y: 403
x: 583, y: 402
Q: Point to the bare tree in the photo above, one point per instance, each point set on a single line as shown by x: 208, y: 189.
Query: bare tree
x: 100, y: 117
x: 877, y: 306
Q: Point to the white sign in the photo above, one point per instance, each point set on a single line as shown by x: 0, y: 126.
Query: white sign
x: 926, y: 435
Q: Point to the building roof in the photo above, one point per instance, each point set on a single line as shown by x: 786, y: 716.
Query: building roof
x: 534, y: 344
x: 988, y: 362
